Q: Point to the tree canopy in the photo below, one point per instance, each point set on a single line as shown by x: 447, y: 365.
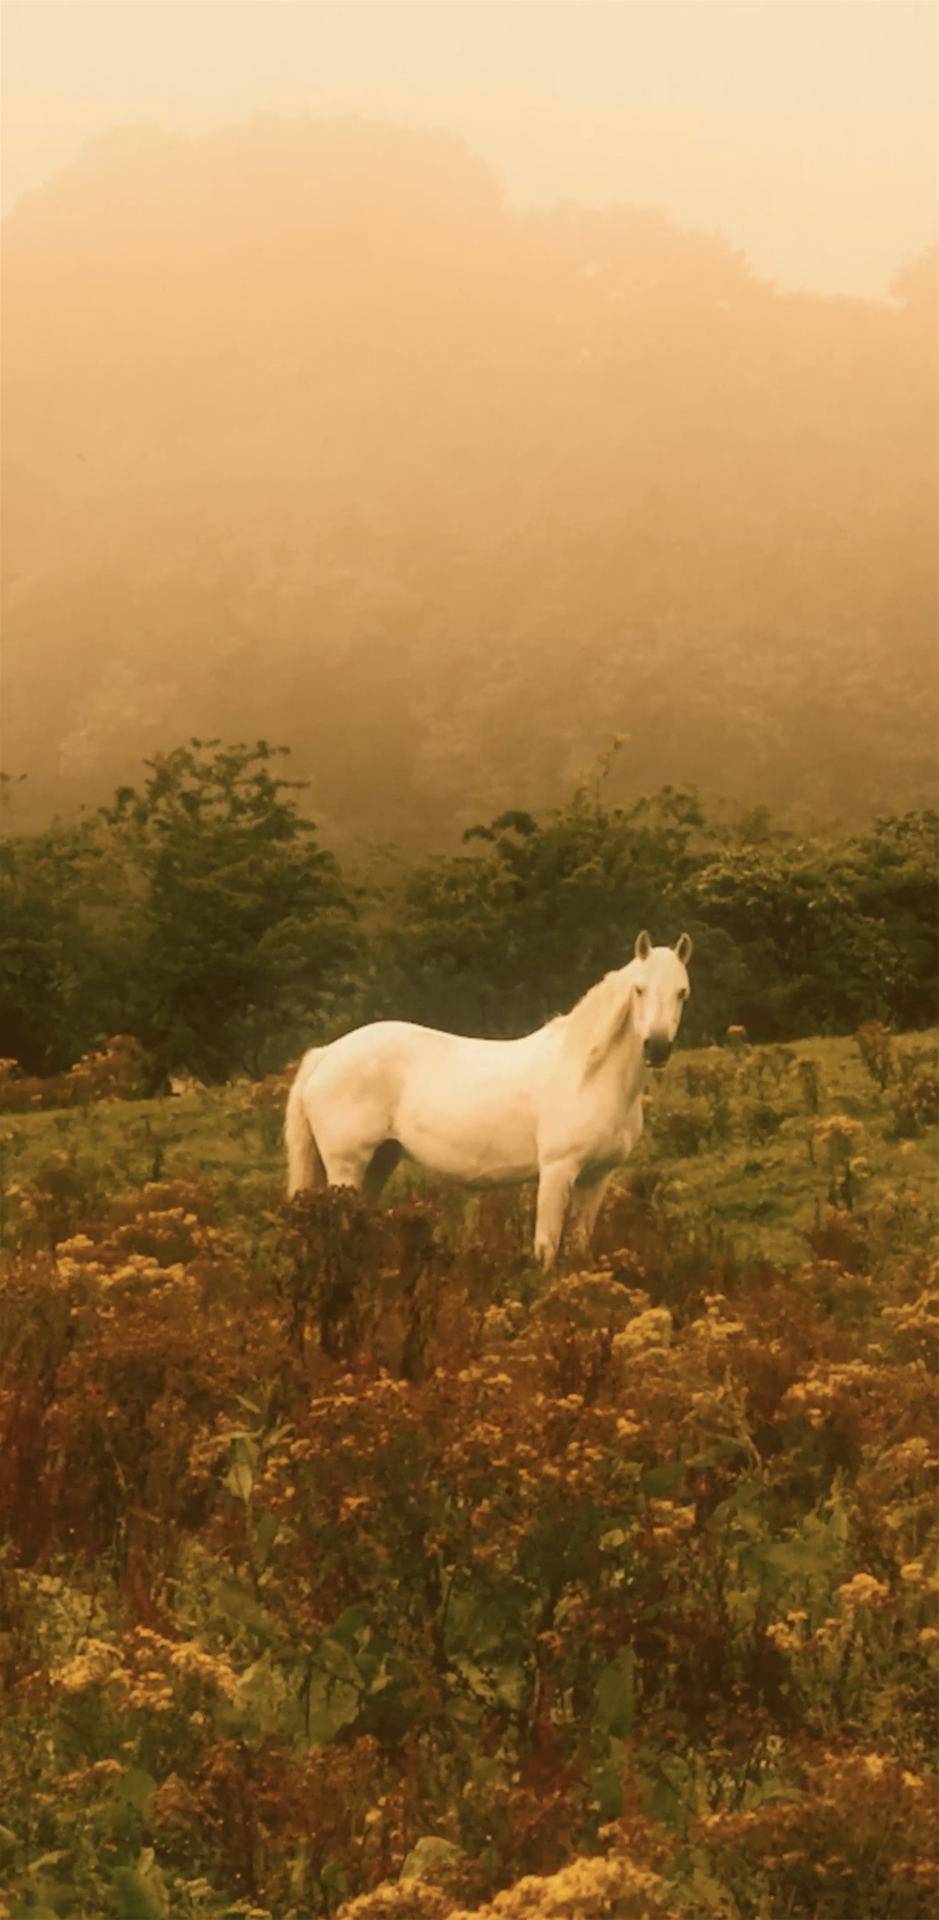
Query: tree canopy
x: 198, y: 912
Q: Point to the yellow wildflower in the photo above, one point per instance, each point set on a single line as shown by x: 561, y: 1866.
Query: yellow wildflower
x: 651, y: 1329
x: 862, y: 1591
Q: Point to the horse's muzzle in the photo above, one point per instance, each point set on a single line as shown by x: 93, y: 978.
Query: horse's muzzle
x: 656, y: 1051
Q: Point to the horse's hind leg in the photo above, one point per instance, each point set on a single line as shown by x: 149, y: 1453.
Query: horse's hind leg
x: 347, y: 1168
x: 366, y: 1168
x: 305, y: 1167
x: 381, y: 1167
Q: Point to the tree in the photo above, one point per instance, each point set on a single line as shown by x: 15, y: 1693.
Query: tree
x: 829, y: 935
x: 895, y: 881
x: 496, y: 941
x: 240, y: 924
x: 57, y: 988
x: 809, y: 961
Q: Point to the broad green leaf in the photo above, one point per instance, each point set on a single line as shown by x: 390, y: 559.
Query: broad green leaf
x: 239, y: 1480
x: 606, y: 1787
x: 718, y: 1450
x: 796, y: 1557
x: 710, y: 1891
x: 137, y: 1896
x: 236, y: 1602
x: 737, y: 1507
x: 334, y: 1695
x: 659, y: 1481
x: 134, y: 1788
x: 267, y: 1703
x: 343, y: 1631
x: 615, y: 1693
x: 428, y: 1853
x: 265, y: 1533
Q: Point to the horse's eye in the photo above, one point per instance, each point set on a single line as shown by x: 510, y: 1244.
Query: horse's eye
x: 639, y: 989
x: 682, y: 993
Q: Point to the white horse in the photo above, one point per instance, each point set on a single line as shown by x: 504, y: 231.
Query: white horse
x: 562, y: 1105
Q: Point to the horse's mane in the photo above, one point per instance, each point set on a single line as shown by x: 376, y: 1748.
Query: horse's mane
x: 595, y: 1018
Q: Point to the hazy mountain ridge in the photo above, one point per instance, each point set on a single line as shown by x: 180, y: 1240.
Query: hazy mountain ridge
x: 307, y: 435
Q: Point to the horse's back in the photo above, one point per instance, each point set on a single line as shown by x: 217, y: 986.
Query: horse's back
x: 456, y: 1104
x: 381, y: 1046
x: 404, y: 1043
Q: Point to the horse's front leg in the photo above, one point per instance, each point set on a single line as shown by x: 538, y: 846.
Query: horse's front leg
x: 587, y: 1200
x: 555, y: 1184
x: 584, y: 1209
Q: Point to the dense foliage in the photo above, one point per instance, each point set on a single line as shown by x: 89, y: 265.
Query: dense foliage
x: 241, y: 920
x: 201, y: 916
x: 792, y: 935
x: 307, y: 433
x: 346, y: 1561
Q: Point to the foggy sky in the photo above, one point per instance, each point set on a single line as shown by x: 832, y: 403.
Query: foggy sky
x: 803, y: 130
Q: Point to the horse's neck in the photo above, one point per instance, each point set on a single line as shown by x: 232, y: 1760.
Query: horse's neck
x: 609, y: 1049
x: 623, y: 1067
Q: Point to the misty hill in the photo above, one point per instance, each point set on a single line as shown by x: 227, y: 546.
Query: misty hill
x: 308, y: 436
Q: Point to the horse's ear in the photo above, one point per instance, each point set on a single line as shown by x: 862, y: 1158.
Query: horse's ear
x: 684, y: 948
x: 643, y: 946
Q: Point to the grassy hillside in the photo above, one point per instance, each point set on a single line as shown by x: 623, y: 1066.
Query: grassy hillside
x: 349, y: 1566
x: 734, y: 1147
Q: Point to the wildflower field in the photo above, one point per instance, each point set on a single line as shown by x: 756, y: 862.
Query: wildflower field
x: 348, y: 1565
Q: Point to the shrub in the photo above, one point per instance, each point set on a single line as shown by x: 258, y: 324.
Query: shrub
x: 917, y: 1102
x: 120, y: 1071
x: 874, y: 1043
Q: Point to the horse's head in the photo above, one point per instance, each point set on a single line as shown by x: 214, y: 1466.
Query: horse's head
x: 660, y: 989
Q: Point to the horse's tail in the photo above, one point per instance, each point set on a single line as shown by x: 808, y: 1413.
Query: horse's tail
x: 304, y: 1161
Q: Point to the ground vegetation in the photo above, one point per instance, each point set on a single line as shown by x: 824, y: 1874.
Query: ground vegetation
x: 348, y: 1565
